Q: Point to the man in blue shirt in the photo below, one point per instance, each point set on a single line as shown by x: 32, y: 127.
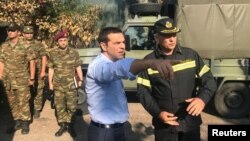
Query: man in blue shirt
x: 107, y: 103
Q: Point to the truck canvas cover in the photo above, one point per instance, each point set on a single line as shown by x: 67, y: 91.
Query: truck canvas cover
x: 215, y: 28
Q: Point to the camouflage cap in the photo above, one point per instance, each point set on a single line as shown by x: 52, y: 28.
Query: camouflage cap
x: 13, y: 26
x: 166, y: 26
x: 28, y: 29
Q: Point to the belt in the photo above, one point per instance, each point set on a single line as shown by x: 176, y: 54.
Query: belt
x: 115, y: 125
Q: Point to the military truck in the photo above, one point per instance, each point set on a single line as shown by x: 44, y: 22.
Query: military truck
x: 216, y: 29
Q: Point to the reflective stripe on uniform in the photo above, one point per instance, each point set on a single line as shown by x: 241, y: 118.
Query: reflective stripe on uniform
x: 144, y: 82
x: 183, y: 66
x: 151, y: 71
x: 178, y: 67
x: 204, y: 70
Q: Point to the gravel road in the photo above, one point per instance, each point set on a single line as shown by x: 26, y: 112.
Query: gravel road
x: 138, y: 128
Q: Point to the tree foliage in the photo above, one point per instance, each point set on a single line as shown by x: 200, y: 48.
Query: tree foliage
x: 49, y: 16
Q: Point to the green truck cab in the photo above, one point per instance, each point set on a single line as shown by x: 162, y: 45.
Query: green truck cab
x: 217, y: 29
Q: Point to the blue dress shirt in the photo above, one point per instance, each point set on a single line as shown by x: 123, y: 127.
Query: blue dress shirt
x: 107, y: 102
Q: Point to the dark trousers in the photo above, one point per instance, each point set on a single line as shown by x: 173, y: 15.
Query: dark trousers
x: 166, y: 135
x: 106, y: 134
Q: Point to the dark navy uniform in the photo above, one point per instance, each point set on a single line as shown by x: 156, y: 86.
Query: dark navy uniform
x: 157, y: 94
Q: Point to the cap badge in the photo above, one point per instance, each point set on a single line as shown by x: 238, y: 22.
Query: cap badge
x: 168, y: 24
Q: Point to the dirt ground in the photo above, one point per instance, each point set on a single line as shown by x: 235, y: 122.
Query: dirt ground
x: 138, y: 128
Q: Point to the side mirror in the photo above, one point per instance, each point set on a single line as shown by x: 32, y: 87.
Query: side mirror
x: 127, y: 43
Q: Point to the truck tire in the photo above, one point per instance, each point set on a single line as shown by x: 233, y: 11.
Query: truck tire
x: 232, y: 100
x: 145, y: 8
x: 81, y: 96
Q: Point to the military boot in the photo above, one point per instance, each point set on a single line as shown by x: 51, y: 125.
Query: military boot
x: 16, y: 127
x: 18, y: 124
x: 25, y: 127
x: 52, y: 104
x: 62, y: 129
x: 36, y: 114
x: 71, y: 130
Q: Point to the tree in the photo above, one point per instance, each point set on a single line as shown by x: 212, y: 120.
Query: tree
x: 48, y: 16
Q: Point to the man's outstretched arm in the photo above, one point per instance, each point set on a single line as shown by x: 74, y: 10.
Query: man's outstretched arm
x: 163, y: 66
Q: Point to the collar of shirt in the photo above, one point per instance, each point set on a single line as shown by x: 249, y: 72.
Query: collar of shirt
x: 159, y: 53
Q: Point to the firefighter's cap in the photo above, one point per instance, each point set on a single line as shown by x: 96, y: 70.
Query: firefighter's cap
x: 166, y: 26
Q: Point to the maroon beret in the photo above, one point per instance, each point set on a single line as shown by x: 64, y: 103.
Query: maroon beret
x: 61, y: 34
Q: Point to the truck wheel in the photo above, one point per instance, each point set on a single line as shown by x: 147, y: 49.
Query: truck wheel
x: 81, y: 96
x: 232, y: 100
x: 145, y: 8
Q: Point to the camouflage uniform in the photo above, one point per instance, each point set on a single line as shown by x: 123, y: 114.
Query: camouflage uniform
x: 16, y: 79
x: 40, y: 51
x: 64, y: 63
x: 39, y: 48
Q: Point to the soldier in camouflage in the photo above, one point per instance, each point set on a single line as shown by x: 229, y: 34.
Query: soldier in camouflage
x: 63, y: 63
x: 41, y: 61
x: 15, y: 57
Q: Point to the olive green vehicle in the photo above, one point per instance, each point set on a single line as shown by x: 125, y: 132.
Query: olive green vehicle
x: 217, y: 29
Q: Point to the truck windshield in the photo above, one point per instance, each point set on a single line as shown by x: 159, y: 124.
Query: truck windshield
x: 140, y: 37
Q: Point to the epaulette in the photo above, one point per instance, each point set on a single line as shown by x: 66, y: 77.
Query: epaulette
x: 52, y: 49
x: 5, y: 44
x: 21, y: 38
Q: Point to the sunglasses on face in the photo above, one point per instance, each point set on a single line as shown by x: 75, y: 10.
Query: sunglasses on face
x: 11, y: 30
